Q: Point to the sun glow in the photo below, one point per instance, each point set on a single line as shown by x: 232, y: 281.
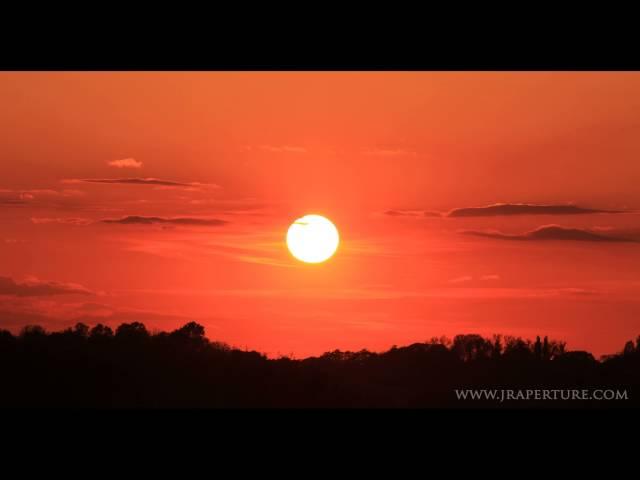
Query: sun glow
x: 312, y: 239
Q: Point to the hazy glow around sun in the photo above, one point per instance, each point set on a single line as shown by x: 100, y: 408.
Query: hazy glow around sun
x: 312, y: 239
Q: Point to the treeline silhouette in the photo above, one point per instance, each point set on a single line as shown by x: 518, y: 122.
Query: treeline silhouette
x: 133, y: 368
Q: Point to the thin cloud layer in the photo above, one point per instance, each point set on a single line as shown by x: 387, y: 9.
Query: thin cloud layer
x: 283, y: 148
x: 38, y: 288
x: 25, y: 197
x: 141, y: 181
x: 491, y: 277
x: 464, y: 278
x: 63, y: 221
x: 31, y: 311
x: 551, y: 232
x: 470, y: 278
x: 125, y: 163
x: 12, y: 201
x: 411, y: 213
x: 140, y: 220
x: 390, y: 152
x: 499, y: 209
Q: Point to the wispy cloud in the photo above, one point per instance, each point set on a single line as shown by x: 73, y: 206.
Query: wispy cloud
x: 489, y: 277
x: 13, y: 241
x: 390, y: 152
x: 412, y: 213
x: 140, y: 220
x: 463, y: 279
x: 498, y: 209
x: 25, y: 197
x: 238, y: 243
x: 61, y: 314
x: 63, y: 221
x: 12, y: 201
x: 33, y: 287
x: 469, y: 278
x: 283, y: 148
x: 141, y: 181
x: 550, y: 232
x: 462, y: 292
x: 125, y: 163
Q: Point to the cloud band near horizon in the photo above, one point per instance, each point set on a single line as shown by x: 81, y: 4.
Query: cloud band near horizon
x: 499, y: 209
x: 141, y: 220
x: 141, y: 181
x: 37, y: 288
x: 550, y: 232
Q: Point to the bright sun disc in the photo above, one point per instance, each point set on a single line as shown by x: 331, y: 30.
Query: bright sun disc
x: 312, y: 239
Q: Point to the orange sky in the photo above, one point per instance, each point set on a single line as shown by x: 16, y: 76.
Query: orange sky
x: 373, y: 151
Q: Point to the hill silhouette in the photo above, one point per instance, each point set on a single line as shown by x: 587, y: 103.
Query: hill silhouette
x: 133, y: 368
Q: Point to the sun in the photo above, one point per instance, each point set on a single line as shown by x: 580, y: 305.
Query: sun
x: 312, y: 239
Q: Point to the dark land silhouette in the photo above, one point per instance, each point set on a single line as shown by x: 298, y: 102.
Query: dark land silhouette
x: 133, y: 368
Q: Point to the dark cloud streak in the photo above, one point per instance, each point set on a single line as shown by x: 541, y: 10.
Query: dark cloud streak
x: 499, y: 209
x: 142, y: 181
x: 140, y: 220
x: 411, y: 213
x: 550, y: 232
x: 38, y: 288
x: 136, y: 181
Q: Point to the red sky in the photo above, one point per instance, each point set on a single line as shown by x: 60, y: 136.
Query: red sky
x: 373, y: 151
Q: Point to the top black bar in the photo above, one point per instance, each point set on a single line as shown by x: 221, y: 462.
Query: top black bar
x: 393, y: 51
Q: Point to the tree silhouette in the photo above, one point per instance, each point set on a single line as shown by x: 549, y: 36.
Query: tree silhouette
x: 497, y: 346
x: 471, y: 347
x: 135, y: 331
x: 537, y: 348
x: 93, y: 367
x: 100, y: 332
x: 629, y: 348
x: 81, y: 330
x: 32, y: 332
x: 546, y: 351
x: 192, y: 333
